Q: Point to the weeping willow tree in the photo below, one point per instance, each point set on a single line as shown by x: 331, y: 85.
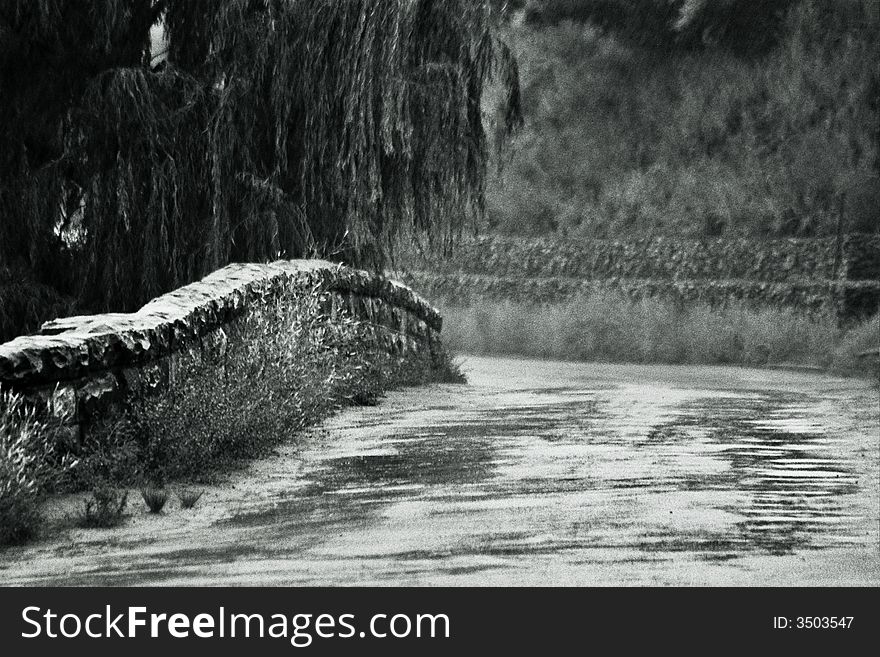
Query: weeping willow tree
x: 276, y: 128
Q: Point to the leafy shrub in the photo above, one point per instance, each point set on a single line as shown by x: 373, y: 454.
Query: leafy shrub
x: 855, y: 342
x: 105, y: 508
x: 29, y: 465
x: 155, y: 498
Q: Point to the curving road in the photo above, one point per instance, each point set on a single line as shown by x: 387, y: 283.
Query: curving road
x: 535, y: 473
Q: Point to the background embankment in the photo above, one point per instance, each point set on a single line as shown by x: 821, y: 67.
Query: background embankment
x: 811, y: 275
x: 693, y: 119
x: 738, y: 300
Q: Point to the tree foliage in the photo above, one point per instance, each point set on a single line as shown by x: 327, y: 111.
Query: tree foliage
x: 276, y: 127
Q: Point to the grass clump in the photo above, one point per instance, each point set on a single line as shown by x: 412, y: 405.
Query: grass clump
x: 30, y: 466
x: 188, y: 497
x: 155, y: 498
x: 105, y: 508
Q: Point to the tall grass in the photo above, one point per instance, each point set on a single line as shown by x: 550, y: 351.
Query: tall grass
x: 29, y: 466
x: 289, y: 364
x: 104, y: 508
x: 629, y: 140
x: 611, y: 327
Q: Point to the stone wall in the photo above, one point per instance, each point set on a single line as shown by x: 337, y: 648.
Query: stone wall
x: 88, y: 365
x: 813, y: 275
x: 659, y: 258
x: 463, y: 289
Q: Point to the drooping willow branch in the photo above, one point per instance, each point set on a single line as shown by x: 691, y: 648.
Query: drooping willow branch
x: 277, y: 127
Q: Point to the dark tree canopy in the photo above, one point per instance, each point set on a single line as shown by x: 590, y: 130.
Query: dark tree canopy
x: 276, y: 128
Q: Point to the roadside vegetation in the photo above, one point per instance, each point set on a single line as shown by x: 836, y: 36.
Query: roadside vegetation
x: 300, y: 367
x: 308, y: 128
x: 612, y: 327
x: 30, y: 466
x: 684, y: 119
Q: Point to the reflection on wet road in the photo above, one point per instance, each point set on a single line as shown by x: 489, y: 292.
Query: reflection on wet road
x: 538, y: 473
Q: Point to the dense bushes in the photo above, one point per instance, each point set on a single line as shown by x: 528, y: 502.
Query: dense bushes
x: 622, y: 139
x: 298, y: 367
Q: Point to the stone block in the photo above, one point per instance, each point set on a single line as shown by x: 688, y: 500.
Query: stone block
x: 63, y: 403
x: 182, y: 365
x: 149, y: 378
x: 215, y: 346
x: 98, y: 394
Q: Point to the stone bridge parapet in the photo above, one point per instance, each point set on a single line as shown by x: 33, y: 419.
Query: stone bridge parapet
x: 85, y: 364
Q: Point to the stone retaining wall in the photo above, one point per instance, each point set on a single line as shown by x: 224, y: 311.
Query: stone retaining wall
x: 812, y: 275
x: 665, y: 258
x: 840, y: 298
x: 89, y: 364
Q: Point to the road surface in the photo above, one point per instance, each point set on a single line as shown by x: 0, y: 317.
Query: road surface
x: 534, y: 473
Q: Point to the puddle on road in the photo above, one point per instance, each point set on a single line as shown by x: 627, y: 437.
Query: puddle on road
x: 535, y: 473
x: 791, y: 486
x: 720, y: 476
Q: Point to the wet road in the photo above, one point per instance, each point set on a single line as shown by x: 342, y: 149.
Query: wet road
x: 535, y: 473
